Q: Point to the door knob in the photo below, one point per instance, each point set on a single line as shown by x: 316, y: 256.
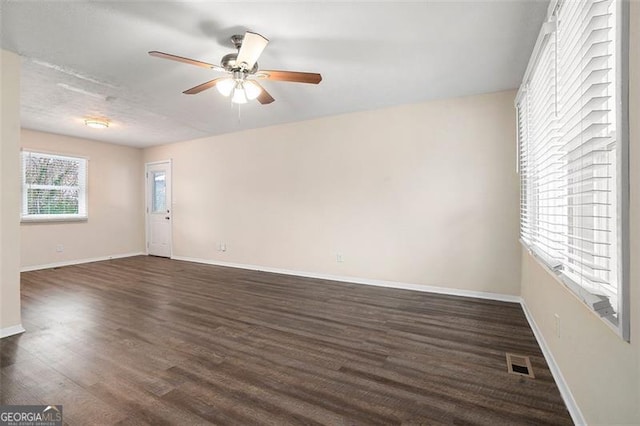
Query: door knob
x: 167, y: 217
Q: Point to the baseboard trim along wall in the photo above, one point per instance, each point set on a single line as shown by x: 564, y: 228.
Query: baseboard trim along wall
x: 358, y: 280
x: 10, y: 331
x: 567, y: 396
x: 79, y: 261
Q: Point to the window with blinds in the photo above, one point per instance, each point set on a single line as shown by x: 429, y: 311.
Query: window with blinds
x: 572, y: 145
x: 53, y: 187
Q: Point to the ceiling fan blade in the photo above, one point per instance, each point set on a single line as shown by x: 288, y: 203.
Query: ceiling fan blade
x: 294, y: 76
x: 163, y: 55
x: 252, y: 46
x: 264, y: 97
x: 204, y: 86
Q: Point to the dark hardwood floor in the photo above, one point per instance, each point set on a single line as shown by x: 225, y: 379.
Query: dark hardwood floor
x: 147, y: 340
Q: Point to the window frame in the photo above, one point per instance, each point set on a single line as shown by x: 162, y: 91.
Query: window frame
x: 83, y: 190
x: 622, y: 325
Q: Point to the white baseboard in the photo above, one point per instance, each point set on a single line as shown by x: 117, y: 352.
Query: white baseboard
x: 365, y: 281
x: 79, y: 261
x: 567, y: 396
x: 10, y: 331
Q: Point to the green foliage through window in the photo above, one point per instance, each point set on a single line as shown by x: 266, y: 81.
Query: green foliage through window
x: 53, y: 186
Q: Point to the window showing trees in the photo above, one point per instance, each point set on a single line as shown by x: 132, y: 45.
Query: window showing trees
x: 53, y: 187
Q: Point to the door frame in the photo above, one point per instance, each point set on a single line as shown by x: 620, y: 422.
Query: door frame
x: 147, y: 204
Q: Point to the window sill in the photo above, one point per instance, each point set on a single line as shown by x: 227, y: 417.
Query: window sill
x: 574, y: 290
x: 54, y: 219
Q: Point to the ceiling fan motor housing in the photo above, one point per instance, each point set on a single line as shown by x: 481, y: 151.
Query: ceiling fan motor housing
x: 236, y: 39
x: 228, y: 61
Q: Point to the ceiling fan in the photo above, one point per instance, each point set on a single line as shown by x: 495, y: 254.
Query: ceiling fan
x: 242, y: 84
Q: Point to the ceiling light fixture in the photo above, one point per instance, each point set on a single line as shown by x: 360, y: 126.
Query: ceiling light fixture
x: 239, y: 88
x: 226, y: 86
x: 239, y: 66
x: 96, y: 124
x: 251, y: 89
x: 239, y: 95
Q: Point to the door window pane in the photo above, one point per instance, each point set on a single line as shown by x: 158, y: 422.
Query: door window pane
x: 158, y: 192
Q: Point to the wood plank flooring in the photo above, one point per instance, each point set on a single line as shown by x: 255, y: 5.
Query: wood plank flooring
x: 147, y: 340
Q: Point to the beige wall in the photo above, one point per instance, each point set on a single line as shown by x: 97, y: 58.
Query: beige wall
x: 602, y: 371
x: 9, y: 192
x: 116, y: 202
x: 423, y: 194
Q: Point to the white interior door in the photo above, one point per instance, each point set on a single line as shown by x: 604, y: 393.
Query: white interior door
x: 158, y: 190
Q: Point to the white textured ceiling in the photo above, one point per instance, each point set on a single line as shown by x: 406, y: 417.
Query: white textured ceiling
x: 89, y: 58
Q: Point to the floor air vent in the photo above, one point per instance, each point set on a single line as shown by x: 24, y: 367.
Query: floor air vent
x: 520, y: 365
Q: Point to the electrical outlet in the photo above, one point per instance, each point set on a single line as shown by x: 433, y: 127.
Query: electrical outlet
x: 339, y: 258
x: 557, y: 325
x: 223, y: 246
x: 59, y: 248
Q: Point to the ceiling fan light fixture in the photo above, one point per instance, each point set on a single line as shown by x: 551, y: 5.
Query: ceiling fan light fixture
x: 96, y: 123
x: 239, y: 95
x: 252, y: 90
x: 239, y: 66
x: 225, y: 87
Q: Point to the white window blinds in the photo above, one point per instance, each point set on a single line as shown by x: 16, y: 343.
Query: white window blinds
x: 570, y: 146
x: 53, y: 187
